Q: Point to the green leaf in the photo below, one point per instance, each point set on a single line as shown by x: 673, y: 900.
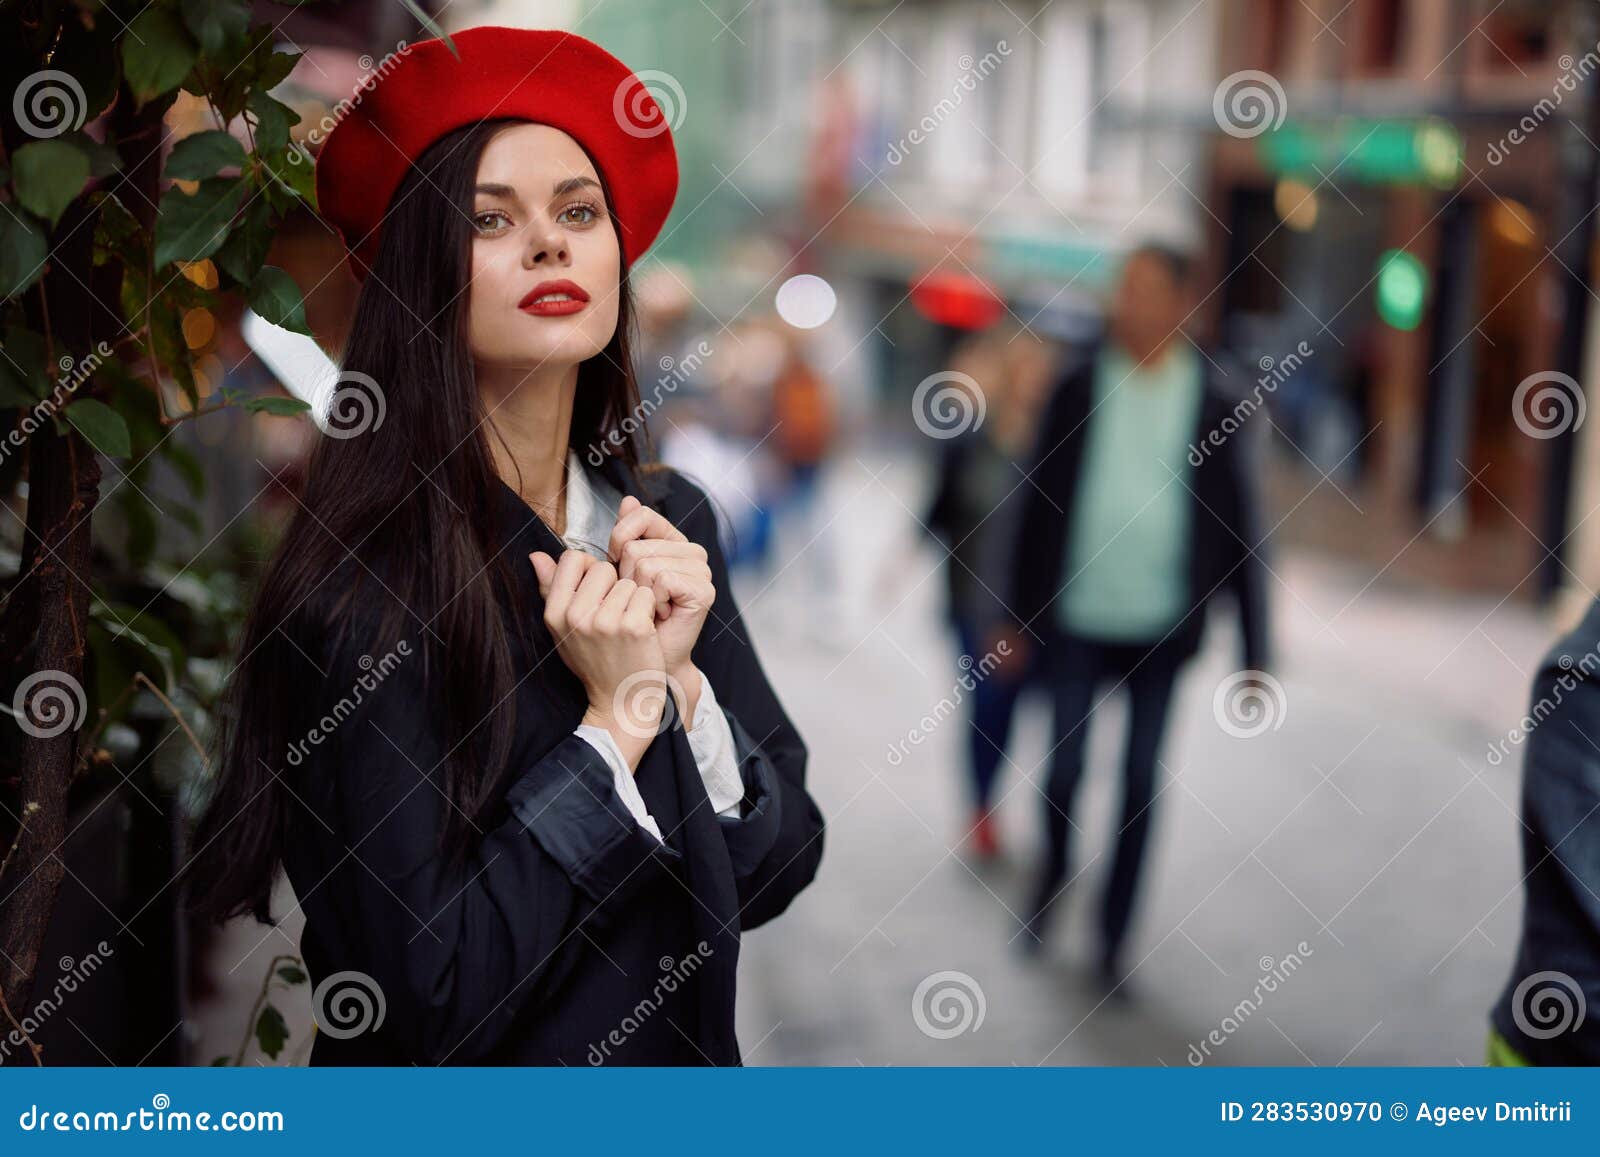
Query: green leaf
x: 272, y: 70
x: 141, y: 636
x: 24, y: 359
x: 222, y: 1060
x: 271, y: 1031
x: 433, y: 28
x: 102, y: 425
x: 22, y: 251
x: 277, y: 406
x: 272, y: 121
x: 292, y: 170
x: 292, y: 974
x: 190, y: 228
x: 156, y: 53
x: 275, y: 296
x: 117, y: 236
x: 103, y: 159
x: 241, y: 256
x: 205, y: 155
x: 47, y: 176
x: 217, y: 24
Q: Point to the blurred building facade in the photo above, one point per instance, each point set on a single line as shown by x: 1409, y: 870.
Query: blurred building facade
x: 1403, y: 219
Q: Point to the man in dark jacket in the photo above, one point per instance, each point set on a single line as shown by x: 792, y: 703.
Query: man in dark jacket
x: 1136, y: 514
x: 1549, y: 1011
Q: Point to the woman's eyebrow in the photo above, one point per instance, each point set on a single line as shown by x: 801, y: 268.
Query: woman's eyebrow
x: 572, y: 184
x: 562, y: 188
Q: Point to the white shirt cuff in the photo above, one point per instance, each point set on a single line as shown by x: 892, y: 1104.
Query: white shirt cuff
x: 621, y: 777
x: 711, y: 740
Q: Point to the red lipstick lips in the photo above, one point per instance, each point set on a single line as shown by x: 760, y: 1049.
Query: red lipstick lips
x: 554, y: 299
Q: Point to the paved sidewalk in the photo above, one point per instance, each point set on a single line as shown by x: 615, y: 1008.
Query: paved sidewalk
x: 1369, y: 825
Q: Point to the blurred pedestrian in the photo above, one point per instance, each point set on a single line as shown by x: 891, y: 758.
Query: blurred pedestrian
x: 1540, y: 1016
x: 1137, y: 512
x: 803, y: 430
x: 974, y: 474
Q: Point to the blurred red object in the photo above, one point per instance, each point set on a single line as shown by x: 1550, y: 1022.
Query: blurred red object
x: 957, y: 299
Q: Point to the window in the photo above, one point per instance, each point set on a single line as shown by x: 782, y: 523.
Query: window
x: 1382, y: 35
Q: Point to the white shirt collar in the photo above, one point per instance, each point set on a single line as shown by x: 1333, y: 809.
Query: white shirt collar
x: 591, y: 511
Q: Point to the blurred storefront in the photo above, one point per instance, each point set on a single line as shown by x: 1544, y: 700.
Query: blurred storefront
x: 1400, y: 220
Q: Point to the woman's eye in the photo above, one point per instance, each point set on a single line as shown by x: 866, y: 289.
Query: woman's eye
x: 580, y: 214
x: 490, y: 221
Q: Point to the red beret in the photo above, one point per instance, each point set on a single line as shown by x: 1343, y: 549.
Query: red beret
x: 549, y: 77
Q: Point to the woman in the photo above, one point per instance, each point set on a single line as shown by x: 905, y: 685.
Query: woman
x: 462, y: 738
x: 975, y: 472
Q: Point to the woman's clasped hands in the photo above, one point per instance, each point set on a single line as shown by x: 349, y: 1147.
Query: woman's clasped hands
x: 626, y: 625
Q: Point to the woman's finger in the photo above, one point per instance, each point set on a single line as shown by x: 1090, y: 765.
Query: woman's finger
x: 544, y: 569
x: 564, y: 578
x: 598, y: 578
x: 681, y: 553
x: 641, y: 611
x: 608, y: 616
x: 641, y: 522
x: 673, y: 587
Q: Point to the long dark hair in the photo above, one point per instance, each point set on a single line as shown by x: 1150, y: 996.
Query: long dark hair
x: 413, y: 501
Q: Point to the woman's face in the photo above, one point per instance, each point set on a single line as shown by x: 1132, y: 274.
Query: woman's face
x: 545, y: 259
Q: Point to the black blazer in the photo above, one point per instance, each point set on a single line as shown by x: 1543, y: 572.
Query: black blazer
x: 1556, y: 974
x: 570, y: 936
x: 1225, y: 544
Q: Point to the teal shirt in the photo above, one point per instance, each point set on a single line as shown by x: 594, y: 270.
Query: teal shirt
x: 1126, y: 567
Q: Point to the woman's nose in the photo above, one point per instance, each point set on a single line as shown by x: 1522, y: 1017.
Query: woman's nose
x: 546, y: 246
